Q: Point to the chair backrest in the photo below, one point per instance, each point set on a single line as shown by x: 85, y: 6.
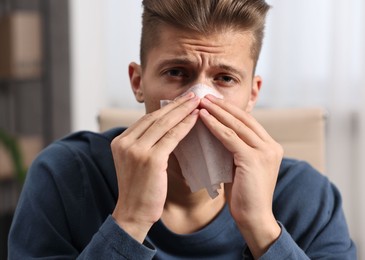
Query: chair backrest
x: 301, y: 131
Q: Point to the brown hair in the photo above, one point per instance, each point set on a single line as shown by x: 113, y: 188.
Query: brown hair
x: 203, y: 16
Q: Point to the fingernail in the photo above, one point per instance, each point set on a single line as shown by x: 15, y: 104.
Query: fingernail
x: 189, y: 95
x: 210, y: 97
x: 194, y: 98
x: 204, y: 112
x: 205, y: 100
x: 195, y: 112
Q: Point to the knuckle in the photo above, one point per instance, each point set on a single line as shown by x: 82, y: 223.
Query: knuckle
x: 229, y: 133
x: 174, y: 102
x: 123, y: 148
x: 171, y: 134
x: 159, y: 123
x: 275, y: 152
x: 134, y: 151
x: 162, y: 122
x: 148, y: 160
x: 119, y: 144
x: 144, y: 157
x: 150, y: 117
x: 114, y: 145
x: 188, y: 107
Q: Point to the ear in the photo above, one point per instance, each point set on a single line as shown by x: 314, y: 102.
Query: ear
x: 135, y: 78
x: 256, y: 86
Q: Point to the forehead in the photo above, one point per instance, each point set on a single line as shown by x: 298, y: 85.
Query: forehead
x: 229, y: 45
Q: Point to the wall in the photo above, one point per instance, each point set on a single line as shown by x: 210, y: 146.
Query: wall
x: 104, y: 40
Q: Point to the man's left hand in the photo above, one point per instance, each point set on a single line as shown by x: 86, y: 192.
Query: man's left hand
x: 257, y: 158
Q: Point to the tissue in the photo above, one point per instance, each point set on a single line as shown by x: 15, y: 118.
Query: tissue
x: 204, y: 161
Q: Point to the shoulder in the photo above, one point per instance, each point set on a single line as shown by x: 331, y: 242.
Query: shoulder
x: 300, y: 183
x: 70, y: 170
x: 70, y: 188
x: 299, y: 176
x: 292, y: 170
x: 84, y: 140
x: 304, y: 194
x: 305, y: 201
x: 69, y: 160
x: 77, y: 146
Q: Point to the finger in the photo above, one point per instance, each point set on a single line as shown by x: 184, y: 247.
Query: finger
x: 168, y: 121
x: 243, y: 116
x: 226, y: 135
x: 171, y: 139
x: 136, y: 130
x: 240, y: 128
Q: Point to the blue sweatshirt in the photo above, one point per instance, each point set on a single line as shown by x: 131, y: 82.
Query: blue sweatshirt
x: 64, y: 212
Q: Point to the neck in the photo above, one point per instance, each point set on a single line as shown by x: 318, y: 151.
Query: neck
x: 186, y: 212
x: 179, y: 193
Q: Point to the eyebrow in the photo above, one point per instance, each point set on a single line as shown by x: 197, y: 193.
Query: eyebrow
x: 233, y: 70
x: 186, y: 61
x: 175, y: 61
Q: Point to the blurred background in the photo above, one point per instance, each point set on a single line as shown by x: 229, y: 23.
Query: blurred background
x: 62, y: 61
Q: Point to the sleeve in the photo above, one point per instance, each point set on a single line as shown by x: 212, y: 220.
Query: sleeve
x: 309, y: 210
x: 286, y: 248
x: 283, y: 248
x: 114, y: 243
x: 42, y: 227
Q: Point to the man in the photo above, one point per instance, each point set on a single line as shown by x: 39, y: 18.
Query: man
x: 121, y: 194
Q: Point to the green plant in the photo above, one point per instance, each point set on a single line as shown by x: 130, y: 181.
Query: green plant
x: 12, y: 146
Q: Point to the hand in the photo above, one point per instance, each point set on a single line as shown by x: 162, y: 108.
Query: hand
x: 257, y: 159
x: 140, y: 156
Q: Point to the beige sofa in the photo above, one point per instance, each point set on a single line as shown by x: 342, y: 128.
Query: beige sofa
x: 301, y: 131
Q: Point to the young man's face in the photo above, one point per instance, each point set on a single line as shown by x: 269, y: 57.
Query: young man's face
x: 182, y: 59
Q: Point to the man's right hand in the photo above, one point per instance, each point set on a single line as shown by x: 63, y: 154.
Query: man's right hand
x: 140, y: 156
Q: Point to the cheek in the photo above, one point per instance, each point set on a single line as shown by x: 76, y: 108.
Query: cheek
x: 152, y: 103
x: 239, y: 102
x: 239, y: 99
x: 153, y: 99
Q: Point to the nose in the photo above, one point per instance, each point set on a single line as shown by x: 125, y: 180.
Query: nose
x: 201, y: 90
x: 202, y: 79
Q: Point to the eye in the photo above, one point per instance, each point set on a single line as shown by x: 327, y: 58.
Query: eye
x: 176, y: 73
x: 225, y: 79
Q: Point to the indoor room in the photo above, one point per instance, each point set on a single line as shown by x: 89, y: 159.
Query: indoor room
x: 64, y: 68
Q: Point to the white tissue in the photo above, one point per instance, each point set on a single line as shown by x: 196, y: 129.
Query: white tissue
x: 204, y: 161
